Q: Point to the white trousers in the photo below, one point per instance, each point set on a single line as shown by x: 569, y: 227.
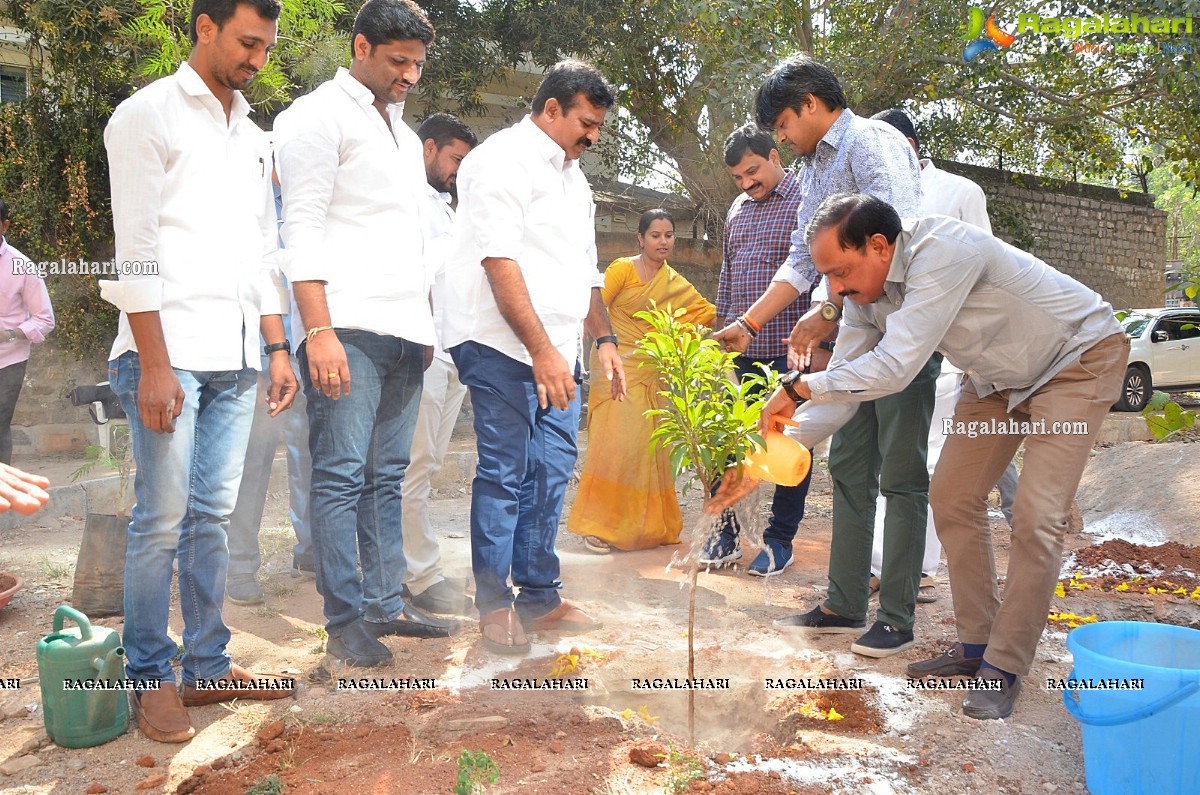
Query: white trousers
x: 441, y: 398
x: 948, y: 391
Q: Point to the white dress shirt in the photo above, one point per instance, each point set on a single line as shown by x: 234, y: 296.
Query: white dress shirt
x: 439, y: 245
x: 192, y: 192
x: 353, y: 195
x: 943, y: 193
x: 520, y: 199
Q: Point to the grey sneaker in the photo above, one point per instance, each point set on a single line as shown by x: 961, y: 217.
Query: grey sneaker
x: 244, y: 592
x: 949, y: 663
x: 883, y: 640
x: 818, y: 621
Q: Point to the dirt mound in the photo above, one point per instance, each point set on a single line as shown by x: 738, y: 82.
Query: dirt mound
x: 1143, y: 492
x: 1170, y: 559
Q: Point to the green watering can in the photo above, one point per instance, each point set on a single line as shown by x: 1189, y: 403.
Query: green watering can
x: 81, y: 672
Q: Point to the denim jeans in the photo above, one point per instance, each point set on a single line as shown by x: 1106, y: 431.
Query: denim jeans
x: 11, y: 380
x: 526, y: 456
x: 186, y: 485
x: 787, y: 505
x: 244, y: 558
x: 360, y: 444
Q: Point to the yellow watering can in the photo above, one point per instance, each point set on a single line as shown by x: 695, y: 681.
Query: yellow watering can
x: 782, y: 461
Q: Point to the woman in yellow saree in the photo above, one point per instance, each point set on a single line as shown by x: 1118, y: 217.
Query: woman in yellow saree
x: 626, y: 498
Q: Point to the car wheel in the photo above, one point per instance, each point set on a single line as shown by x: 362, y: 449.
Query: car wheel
x: 1135, y: 390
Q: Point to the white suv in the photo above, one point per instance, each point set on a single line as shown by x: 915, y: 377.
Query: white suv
x: 1164, y: 353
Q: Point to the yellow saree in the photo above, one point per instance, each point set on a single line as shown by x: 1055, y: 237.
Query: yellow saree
x: 626, y: 492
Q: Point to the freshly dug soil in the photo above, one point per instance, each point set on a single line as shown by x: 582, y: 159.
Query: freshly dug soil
x: 1171, y: 558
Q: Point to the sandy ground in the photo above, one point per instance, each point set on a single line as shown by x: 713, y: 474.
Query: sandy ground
x: 749, y: 739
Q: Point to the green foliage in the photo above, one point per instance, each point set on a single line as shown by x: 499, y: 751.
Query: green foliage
x: 1166, y: 418
x: 53, y: 170
x: 475, y: 771
x: 119, y: 459
x: 682, y: 770
x: 158, y: 41
x: 686, y: 71
x: 268, y: 785
x: 708, y: 421
x: 1179, y: 200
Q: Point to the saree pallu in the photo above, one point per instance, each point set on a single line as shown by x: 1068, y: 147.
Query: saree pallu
x: 626, y: 492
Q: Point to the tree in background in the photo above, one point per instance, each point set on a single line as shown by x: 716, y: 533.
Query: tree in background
x: 686, y: 71
x: 1182, y: 205
x: 88, y: 56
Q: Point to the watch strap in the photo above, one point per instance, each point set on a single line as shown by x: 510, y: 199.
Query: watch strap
x: 277, y: 346
x: 607, y: 338
x: 787, y: 381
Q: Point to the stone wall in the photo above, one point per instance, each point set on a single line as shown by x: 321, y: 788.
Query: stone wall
x: 1113, y: 242
x: 698, y: 260
x: 45, y: 422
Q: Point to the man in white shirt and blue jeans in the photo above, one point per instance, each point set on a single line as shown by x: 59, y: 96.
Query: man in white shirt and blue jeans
x: 191, y: 192
x: 522, y: 280
x: 353, y: 183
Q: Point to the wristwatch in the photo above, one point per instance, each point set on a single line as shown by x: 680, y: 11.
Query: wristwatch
x: 607, y: 338
x: 786, y: 381
x: 12, y: 335
x: 830, y: 311
x: 277, y: 346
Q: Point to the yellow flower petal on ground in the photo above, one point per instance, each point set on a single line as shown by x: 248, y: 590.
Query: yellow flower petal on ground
x: 1059, y: 591
x: 833, y: 714
x: 1122, y: 587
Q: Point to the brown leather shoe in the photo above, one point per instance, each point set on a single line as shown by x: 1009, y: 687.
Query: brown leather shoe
x: 161, y: 715
x: 500, y: 631
x: 566, y: 617
x: 239, y: 683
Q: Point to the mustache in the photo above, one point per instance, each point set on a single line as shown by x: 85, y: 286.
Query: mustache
x: 586, y: 143
x: 848, y: 293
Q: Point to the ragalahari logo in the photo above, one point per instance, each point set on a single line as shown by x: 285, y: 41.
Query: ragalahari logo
x: 984, y: 34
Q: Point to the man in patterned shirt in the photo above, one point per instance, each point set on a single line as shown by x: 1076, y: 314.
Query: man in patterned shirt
x: 758, y: 231
x: 882, y: 448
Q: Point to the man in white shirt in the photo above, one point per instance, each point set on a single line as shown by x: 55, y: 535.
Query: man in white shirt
x: 942, y: 193
x: 353, y: 184
x: 445, y: 141
x: 191, y: 193
x: 522, y: 279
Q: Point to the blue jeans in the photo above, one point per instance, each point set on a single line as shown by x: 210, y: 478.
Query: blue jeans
x: 244, y: 524
x: 526, y: 456
x: 359, y: 445
x: 186, y: 485
x: 787, y: 505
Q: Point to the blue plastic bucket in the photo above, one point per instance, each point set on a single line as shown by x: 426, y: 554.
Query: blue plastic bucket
x: 1138, y: 741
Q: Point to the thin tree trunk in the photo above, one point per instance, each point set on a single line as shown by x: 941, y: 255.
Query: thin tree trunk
x: 692, y: 656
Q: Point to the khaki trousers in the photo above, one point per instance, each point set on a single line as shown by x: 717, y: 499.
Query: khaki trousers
x: 1054, y: 460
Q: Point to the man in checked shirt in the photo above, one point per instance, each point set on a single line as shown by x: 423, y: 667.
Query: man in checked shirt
x: 758, y: 234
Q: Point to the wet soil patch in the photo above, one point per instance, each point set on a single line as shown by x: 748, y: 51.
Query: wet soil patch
x: 835, y: 711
